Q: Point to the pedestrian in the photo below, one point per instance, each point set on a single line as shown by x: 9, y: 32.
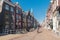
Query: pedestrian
x: 38, y: 29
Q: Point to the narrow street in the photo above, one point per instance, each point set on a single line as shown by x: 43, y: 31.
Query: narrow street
x: 44, y: 35
x: 20, y: 20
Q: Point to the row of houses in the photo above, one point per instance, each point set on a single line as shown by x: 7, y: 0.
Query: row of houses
x: 52, y: 19
x: 13, y: 19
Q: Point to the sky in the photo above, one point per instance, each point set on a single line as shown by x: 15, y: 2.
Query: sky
x: 39, y: 7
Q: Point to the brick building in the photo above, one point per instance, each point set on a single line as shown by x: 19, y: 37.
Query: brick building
x: 49, y: 18
x: 7, y: 16
x: 13, y: 19
x: 18, y: 16
x: 30, y: 20
x: 10, y: 16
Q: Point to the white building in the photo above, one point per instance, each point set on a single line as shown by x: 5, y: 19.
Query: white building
x: 54, y: 15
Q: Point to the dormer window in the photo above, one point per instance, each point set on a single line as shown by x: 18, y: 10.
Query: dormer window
x: 7, y: 7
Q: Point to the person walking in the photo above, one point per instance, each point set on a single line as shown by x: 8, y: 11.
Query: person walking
x: 38, y: 29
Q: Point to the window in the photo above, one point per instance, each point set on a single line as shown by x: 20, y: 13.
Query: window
x: 6, y: 16
x: 0, y: 0
x: 59, y: 22
x: 17, y: 17
x: 12, y: 9
x: 23, y: 15
x: 17, y: 10
x: 7, y: 22
x: 58, y: 14
x: 29, y: 17
x: 6, y: 26
x: 7, y: 7
x: 20, y: 11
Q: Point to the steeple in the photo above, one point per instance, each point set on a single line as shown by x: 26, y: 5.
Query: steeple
x: 31, y: 10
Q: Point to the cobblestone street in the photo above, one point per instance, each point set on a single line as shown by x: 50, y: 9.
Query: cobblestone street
x: 44, y: 35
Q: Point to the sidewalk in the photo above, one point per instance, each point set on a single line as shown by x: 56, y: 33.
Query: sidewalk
x: 44, y: 35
